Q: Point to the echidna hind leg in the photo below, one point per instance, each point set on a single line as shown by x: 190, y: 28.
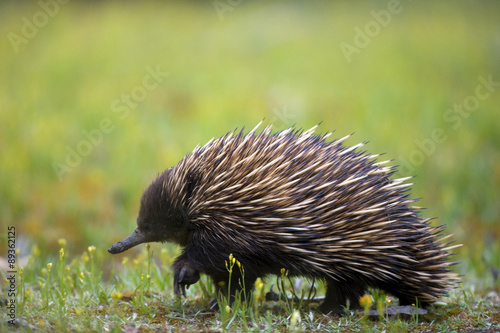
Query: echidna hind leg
x: 401, y: 291
x: 338, y: 294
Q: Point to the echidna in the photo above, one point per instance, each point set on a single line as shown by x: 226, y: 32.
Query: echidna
x: 296, y: 201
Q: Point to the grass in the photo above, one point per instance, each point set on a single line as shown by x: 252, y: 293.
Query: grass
x: 71, y: 293
x: 65, y: 89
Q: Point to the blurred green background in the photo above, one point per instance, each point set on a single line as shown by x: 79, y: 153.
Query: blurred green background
x: 97, y: 97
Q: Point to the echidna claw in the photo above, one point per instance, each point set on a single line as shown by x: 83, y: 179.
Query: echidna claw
x: 184, y: 276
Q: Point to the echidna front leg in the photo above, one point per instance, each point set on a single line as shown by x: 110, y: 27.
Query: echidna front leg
x: 338, y: 293
x: 185, y: 274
